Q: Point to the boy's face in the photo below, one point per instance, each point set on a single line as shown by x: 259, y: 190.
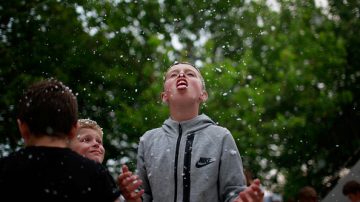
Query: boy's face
x: 183, y: 83
x: 88, y: 143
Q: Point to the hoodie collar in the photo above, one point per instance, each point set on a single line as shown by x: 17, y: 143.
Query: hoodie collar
x: 171, y: 126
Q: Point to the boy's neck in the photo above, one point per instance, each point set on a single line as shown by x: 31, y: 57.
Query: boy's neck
x: 181, y: 113
x: 47, y: 141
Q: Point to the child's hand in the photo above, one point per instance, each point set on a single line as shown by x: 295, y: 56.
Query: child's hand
x: 129, y: 184
x: 253, y: 193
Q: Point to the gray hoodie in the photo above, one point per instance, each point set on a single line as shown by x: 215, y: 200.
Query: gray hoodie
x: 194, y: 160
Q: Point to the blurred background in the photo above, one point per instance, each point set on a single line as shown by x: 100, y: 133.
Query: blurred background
x: 283, y: 76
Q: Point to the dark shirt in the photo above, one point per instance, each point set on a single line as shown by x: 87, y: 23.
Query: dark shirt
x: 54, y: 174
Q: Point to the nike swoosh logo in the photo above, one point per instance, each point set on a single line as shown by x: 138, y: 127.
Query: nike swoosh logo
x: 204, y: 161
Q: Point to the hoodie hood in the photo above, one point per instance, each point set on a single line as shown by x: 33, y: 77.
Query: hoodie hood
x: 171, y: 126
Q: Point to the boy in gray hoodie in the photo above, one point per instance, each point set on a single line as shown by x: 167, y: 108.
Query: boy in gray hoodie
x: 190, y: 158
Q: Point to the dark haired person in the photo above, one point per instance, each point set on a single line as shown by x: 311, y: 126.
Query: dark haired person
x: 352, y: 190
x: 46, y: 169
x: 307, y: 194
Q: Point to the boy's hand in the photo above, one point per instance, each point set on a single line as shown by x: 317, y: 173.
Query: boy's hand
x: 253, y: 193
x: 129, y: 184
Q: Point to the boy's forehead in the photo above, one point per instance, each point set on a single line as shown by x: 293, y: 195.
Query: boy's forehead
x: 182, y: 66
x: 86, y: 128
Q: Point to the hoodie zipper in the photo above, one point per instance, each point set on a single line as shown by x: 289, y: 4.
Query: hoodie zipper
x: 187, y: 166
x: 176, y: 160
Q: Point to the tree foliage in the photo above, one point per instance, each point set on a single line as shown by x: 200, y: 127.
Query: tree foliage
x: 284, y: 80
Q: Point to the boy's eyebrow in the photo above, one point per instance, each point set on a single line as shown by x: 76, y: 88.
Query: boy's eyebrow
x: 172, y: 70
x: 177, y: 70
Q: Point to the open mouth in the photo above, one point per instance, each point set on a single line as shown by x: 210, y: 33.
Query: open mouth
x: 181, y: 84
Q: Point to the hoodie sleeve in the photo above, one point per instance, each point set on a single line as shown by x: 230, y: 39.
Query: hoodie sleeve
x: 231, y: 174
x: 141, y: 168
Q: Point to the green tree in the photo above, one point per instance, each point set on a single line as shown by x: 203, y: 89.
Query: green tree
x: 284, y: 81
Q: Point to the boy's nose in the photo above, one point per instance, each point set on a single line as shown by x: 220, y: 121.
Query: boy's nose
x: 181, y: 74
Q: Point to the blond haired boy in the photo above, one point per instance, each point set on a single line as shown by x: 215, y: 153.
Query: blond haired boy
x: 190, y: 158
x: 89, y: 140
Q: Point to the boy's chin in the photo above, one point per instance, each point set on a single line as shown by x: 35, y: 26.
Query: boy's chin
x: 96, y: 158
x: 184, y: 98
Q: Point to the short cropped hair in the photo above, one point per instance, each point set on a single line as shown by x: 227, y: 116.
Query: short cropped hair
x: 187, y: 63
x: 307, y: 192
x: 351, y: 187
x: 49, y: 108
x: 88, y: 123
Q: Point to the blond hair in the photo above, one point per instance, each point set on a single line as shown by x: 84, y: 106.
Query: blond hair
x: 88, y: 123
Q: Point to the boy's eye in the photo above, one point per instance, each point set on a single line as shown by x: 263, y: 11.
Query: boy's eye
x: 86, y: 139
x: 99, y: 141
x: 190, y: 74
x: 173, y: 74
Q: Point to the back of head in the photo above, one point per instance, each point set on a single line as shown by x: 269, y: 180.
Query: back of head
x: 307, y: 194
x: 351, y: 187
x: 48, y: 108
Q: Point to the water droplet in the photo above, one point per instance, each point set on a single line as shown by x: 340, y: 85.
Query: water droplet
x: 233, y: 152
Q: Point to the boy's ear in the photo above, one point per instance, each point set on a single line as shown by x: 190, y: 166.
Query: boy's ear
x: 24, y: 130
x: 164, y: 97
x: 204, y: 96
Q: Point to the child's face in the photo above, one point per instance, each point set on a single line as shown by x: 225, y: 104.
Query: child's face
x: 183, y: 83
x: 88, y: 143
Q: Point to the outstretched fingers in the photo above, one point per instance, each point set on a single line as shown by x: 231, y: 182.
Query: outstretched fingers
x: 253, y: 193
x: 129, y: 185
